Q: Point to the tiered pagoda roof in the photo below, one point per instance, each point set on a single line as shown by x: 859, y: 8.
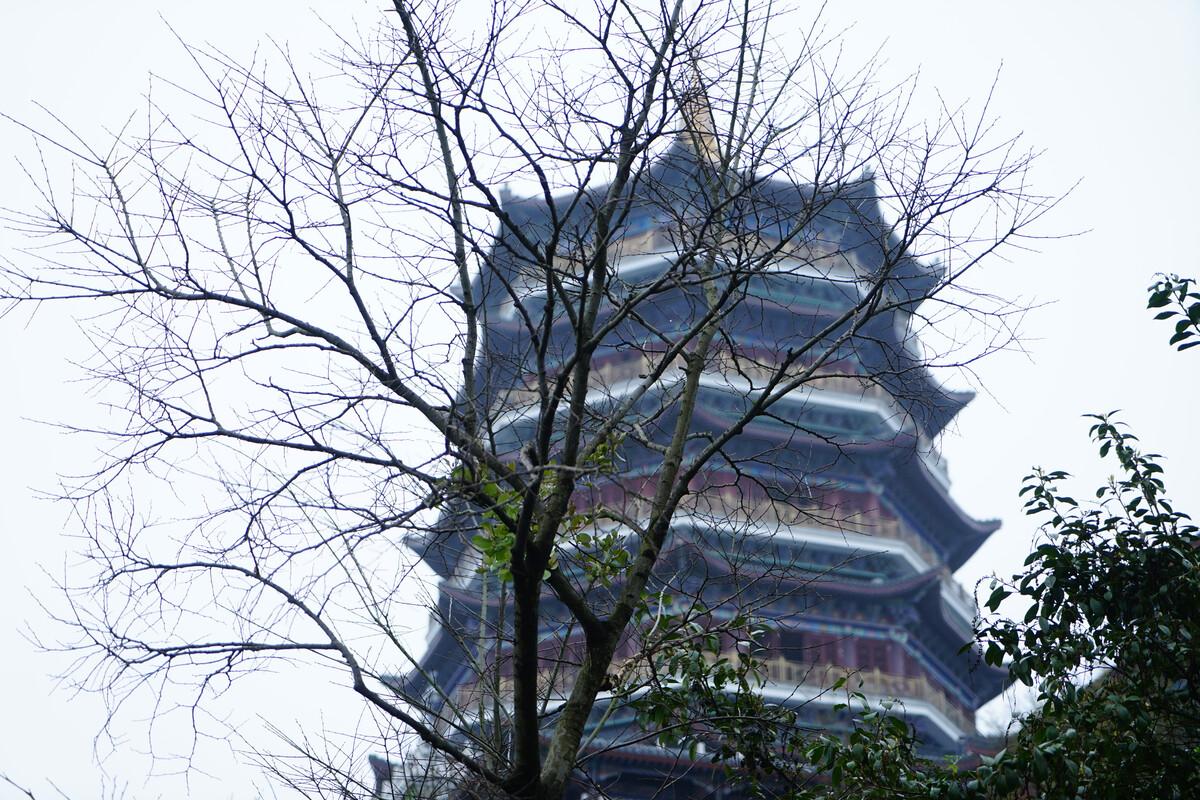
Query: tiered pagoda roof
x: 873, y: 531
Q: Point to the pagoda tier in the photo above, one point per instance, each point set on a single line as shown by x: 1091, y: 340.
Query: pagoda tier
x: 836, y: 600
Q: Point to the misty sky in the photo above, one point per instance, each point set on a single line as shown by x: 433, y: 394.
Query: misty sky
x: 1110, y: 91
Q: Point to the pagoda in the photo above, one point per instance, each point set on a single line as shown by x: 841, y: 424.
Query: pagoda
x: 831, y: 516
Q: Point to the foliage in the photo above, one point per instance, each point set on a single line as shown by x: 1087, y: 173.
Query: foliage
x: 1172, y: 289
x: 1108, y: 639
x: 1110, y: 635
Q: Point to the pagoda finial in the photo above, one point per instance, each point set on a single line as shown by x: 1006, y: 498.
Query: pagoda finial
x: 699, y: 130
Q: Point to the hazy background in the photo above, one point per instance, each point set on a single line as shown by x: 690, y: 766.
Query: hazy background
x: 1111, y: 92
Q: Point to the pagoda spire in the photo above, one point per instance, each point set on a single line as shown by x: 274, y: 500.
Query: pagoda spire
x: 699, y: 132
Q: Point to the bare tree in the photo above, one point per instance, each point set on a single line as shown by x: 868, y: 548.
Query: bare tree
x: 476, y: 292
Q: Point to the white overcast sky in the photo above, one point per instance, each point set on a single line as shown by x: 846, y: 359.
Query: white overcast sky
x: 1111, y: 91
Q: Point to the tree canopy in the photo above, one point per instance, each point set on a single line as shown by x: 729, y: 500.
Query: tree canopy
x: 292, y: 304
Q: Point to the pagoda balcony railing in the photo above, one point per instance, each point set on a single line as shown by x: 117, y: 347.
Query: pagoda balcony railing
x: 757, y: 371
x: 736, y: 509
x: 553, y: 686
x: 959, y: 595
x: 658, y: 243
x: 556, y: 684
x: 669, y: 241
x: 728, y: 506
x: 902, y: 687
